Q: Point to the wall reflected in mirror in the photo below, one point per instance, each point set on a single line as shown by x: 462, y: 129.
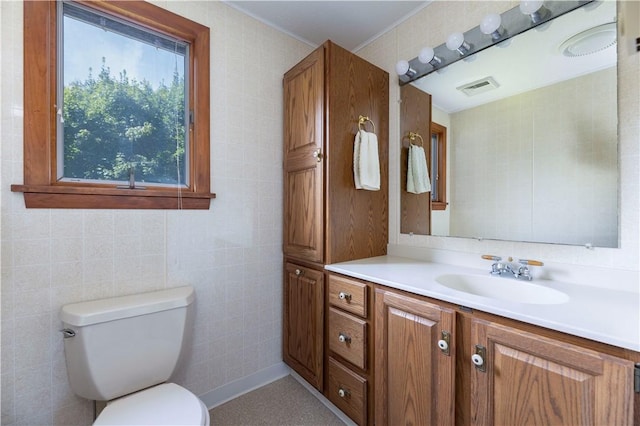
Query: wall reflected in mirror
x: 532, y: 145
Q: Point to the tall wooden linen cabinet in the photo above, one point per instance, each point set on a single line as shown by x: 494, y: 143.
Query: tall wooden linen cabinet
x: 326, y: 219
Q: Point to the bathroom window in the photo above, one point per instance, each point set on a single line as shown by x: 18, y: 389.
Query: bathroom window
x: 438, y: 167
x: 116, y: 107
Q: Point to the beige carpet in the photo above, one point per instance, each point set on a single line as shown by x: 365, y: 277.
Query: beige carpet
x: 283, y: 402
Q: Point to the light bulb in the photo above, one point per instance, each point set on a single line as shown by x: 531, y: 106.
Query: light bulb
x: 491, y: 25
x: 456, y: 42
x: 426, y: 55
x: 402, y: 67
x: 529, y: 7
x: 535, y: 9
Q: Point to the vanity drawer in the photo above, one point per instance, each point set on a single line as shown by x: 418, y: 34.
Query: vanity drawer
x: 348, y: 391
x: 348, y: 337
x: 348, y: 295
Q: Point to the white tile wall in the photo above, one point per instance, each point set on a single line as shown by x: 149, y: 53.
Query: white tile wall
x: 231, y: 253
x: 430, y: 27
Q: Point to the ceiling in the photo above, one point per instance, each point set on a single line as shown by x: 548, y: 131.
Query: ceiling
x: 354, y: 24
x: 350, y: 24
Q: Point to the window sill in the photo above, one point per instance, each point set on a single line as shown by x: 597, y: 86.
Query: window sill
x: 65, y: 197
x: 438, y: 205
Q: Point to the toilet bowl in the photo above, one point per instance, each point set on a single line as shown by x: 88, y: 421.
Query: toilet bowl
x: 123, y: 350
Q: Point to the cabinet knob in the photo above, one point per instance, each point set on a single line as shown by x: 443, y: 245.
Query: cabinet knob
x: 443, y: 345
x: 343, y: 338
x: 477, y: 360
x: 299, y: 272
x: 317, y: 154
x: 344, y: 296
x: 343, y: 393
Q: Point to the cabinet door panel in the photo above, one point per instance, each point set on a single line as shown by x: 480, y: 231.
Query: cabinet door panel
x: 303, y: 322
x: 531, y: 379
x: 414, y: 378
x: 303, y: 145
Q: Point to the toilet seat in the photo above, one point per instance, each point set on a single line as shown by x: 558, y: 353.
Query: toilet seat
x: 165, y: 404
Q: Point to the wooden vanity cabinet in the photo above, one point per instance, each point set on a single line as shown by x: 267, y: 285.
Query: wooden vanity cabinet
x: 414, y: 369
x: 530, y: 379
x: 499, y: 371
x: 349, y: 340
x: 303, y: 321
x: 326, y: 219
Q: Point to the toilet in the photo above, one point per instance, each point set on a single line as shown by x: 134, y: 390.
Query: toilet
x: 123, y: 350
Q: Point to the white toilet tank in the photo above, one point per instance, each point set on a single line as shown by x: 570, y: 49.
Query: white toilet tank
x: 120, y: 345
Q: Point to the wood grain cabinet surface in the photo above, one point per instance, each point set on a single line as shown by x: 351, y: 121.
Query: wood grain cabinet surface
x: 326, y: 219
x: 498, y: 371
x: 350, y: 347
x: 414, y: 378
x: 303, y: 338
x: 530, y: 379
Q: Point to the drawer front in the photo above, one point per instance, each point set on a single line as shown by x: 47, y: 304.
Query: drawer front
x: 348, y: 391
x: 348, y: 337
x: 348, y: 295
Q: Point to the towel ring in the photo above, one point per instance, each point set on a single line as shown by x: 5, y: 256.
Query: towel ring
x: 362, y: 119
x: 413, y: 136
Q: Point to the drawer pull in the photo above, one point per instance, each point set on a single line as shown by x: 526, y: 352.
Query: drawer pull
x: 343, y: 338
x: 343, y: 393
x: 344, y: 296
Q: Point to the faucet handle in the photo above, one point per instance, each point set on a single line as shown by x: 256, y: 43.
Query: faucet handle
x: 491, y: 257
x: 530, y: 262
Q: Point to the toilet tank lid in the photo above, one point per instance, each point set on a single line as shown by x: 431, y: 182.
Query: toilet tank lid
x: 103, y: 310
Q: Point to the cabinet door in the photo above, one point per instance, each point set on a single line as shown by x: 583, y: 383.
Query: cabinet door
x: 303, y: 165
x: 414, y: 378
x: 531, y: 379
x: 303, y: 322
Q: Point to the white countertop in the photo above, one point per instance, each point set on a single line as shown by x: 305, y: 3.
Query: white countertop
x: 600, y: 314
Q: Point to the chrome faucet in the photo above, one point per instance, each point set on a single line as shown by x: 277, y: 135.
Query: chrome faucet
x: 519, y: 270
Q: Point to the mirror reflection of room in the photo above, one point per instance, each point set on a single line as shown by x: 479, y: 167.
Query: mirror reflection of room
x: 531, y: 136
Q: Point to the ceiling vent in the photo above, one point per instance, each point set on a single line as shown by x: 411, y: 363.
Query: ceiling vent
x: 479, y: 86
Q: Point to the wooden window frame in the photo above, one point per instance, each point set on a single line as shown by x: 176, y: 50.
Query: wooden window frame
x: 41, y: 187
x: 441, y: 181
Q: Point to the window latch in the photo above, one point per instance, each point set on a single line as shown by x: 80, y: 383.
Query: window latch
x: 132, y: 181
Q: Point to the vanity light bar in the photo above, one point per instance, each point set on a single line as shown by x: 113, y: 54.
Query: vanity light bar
x: 513, y: 22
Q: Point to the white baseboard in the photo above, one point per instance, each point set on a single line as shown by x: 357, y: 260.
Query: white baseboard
x: 225, y: 393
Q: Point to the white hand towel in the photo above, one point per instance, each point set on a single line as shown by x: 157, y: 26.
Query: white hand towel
x: 369, y: 163
x: 418, y: 180
x: 356, y: 158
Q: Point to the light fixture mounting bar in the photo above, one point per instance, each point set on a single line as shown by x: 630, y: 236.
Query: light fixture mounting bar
x: 514, y: 22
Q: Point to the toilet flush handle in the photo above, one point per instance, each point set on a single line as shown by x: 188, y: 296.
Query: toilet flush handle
x: 67, y: 332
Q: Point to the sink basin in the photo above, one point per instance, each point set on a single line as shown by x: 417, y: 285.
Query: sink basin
x: 502, y: 288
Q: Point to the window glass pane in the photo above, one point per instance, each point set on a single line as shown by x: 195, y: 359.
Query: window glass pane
x: 124, y: 101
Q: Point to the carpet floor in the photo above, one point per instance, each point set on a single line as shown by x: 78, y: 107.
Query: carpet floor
x: 283, y: 402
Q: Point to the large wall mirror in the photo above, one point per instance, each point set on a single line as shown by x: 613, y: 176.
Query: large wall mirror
x: 532, y: 135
